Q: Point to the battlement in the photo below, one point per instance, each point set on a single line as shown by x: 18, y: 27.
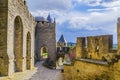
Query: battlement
x: 45, y: 24
x: 94, y: 47
x: 95, y: 38
x: 41, y: 19
x: 101, y: 36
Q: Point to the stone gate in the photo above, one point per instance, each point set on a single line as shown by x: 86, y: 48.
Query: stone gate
x: 45, y: 37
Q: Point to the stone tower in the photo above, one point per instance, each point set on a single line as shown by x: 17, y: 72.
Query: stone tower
x: 118, y: 34
x: 45, y: 37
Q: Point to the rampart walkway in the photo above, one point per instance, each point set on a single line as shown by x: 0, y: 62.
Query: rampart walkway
x: 39, y: 73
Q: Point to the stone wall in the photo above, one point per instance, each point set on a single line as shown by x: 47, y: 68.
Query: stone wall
x: 94, y: 47
x: 9, y: 11
x: 3, y: 37
x: 72, y: 51
x: 118, y: 34
x: 99, y: 45
x: 87, y: 70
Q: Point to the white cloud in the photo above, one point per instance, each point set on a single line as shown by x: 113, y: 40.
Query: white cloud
x: 89, y: 2
x: 113, y: 3
x: 104, y: 3
x: 104, y: 9
x: 95, y: 19
x: 93, y: 2
x: 90, y: 21
x: 49, y: 4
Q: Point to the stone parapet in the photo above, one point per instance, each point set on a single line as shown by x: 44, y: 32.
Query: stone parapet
x: 84, y: 69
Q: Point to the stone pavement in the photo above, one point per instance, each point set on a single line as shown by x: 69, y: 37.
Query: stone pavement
x: 26, y: 75
x: 39, y: 73
x: 46, y: 74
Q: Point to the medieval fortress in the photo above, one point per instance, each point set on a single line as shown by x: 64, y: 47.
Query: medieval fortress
x: 19, y: 32
x: 24, y: 38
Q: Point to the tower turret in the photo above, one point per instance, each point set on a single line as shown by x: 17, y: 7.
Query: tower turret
x: 49, y: 18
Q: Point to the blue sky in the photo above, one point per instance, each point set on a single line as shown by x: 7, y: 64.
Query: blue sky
x: 78, y: 18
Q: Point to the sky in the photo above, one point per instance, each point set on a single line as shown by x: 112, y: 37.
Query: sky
x: 79, y: 18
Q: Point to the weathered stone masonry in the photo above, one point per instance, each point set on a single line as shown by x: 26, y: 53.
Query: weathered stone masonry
x: 16, y: 37
x: 118, y: 34
x: 97, y: 46
x: 80, y: 47
x: 86, y: 70
x: 46, y: 37
x: 93, y: 47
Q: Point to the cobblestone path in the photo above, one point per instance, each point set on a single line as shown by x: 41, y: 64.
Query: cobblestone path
x: 46, y: 74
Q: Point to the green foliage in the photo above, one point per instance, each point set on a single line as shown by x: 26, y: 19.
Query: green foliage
x: 71, y: 47
x: 44, y: 54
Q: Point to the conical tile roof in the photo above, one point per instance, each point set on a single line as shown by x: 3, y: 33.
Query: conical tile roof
x: 62, y: 39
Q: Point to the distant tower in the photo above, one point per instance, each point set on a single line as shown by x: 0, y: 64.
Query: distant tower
x: 45, y: 38
x: 62, y: 42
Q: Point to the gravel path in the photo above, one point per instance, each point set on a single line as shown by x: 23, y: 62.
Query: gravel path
x: 39, y: 73
x: 46, y: 74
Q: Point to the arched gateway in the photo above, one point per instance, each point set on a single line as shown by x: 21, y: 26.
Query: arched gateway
x: 44, y: 53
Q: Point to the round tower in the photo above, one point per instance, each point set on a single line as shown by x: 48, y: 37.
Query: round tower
x: 45, y: 37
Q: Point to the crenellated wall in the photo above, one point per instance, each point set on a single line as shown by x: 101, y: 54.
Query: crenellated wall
x: 91, y: 70
x: 94, y: 47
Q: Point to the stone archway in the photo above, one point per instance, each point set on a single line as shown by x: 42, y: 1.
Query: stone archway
x: 18, y: 44
x: 44, y: 53
x: 28, y: 52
